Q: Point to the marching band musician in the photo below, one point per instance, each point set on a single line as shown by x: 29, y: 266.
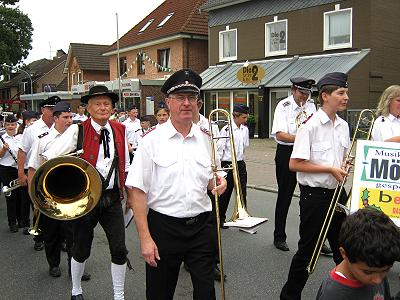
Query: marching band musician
x: 170, y: 175
x: 105, y: 147
x: 29, y: 135
x: 139, y: 133
x: 54, y: 231
x: 318, y: 156
x: 161, y: 113
x: 9, y: 172
x: 80, y: 115
x: 387, y: 124
x: 132, y: 124
x: 241, y: 139
x: 289, y: 114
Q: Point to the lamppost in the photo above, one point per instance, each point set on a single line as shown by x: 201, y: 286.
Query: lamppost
x: 30, y: 77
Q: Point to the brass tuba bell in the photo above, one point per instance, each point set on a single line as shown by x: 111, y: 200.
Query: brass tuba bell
x: 65, y: 188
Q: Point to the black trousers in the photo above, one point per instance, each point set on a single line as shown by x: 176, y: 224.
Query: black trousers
x: 112, y: 220
x: 13, y: 201
x: 54, y: 233
x: 226, y: 197
x: 181, y: 239
x: 287, y: 181
x: 314, y: 203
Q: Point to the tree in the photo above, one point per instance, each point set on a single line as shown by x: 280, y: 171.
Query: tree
x: 15, y: 32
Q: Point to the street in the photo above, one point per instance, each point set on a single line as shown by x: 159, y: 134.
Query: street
x: 255, y: 269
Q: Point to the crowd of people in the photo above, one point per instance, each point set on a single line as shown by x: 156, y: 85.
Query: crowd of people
x: 164, y: 171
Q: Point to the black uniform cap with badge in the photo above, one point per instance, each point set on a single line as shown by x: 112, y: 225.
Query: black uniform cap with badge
x: 50, y: 102
x: 183, y: 81
x: 10, y: 119
x: 336, y: 78
x: 241, y: 108
x: 304, y: 85
x: 62, y: 106
x: 100, y: 90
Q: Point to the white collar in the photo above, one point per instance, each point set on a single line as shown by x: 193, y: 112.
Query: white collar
x: 171, y: 130
x: 98, y: 127
x: 323, y: 117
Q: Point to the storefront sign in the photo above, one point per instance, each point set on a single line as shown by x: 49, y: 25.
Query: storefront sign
x: 376, y: 180
x: 130, y: 94
x: 251, y: 74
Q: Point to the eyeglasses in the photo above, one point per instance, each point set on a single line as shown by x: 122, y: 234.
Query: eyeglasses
x: 182, y: 98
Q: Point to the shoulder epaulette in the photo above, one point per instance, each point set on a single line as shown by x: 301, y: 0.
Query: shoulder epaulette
x: 311, y: 100
x: 205, y: 130
x: 286, y: 103
x: 148, y: 131
x: 138, y: 129
x: 307, y: 119
x: 43, y: 134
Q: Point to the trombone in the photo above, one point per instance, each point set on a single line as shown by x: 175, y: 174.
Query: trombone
x: 14, y: 184
x: 366, y: 118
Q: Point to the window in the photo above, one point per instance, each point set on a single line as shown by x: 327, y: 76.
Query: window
x: 276, y: 37
x: 146, y: 25
x: 79, y: 77
x: 164, y: 58
x: 140, y: 63
x: 122, y: 66
x: 73, y: 79
x: 165, y: 20
x: 338, y: 28
x: 228, y: 44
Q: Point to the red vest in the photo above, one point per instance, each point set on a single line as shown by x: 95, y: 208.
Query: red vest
x: 91, y: 145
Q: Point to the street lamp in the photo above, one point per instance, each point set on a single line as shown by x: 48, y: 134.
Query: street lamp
x: 30, y: 77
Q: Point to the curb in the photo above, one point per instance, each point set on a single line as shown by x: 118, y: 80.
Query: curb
x: 267, y: 189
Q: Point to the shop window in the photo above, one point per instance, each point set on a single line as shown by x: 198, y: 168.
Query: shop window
x: 338, y: 29
x: 228, y: 44
x: 164, y: 58
x: 276, y: 37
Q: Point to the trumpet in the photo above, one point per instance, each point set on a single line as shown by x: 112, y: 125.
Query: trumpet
x: 363, y: 131
x: 14, y: 184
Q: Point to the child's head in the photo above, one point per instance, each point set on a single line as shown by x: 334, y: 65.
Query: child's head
x: 369, y: 242
x: 145, y: 122
x: 162, y: 113
x: 332, y: 91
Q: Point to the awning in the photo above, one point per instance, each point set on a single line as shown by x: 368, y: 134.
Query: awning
x: 279, y: 71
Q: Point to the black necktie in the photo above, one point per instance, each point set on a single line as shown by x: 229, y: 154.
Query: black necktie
x: 105, y: 139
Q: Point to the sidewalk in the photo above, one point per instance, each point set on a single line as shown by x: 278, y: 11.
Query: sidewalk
x: 260, y: 163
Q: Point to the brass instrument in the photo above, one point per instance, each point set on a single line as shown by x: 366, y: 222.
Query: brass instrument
x: 65, y: 188
x: 300, y: 118
x: 14, y: 184
x: 363, y: 131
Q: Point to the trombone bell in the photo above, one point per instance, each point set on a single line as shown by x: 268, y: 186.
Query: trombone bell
x: 65, y: 188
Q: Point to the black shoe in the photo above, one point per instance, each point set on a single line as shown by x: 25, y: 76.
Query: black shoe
x: 217, y: 274
x: 223, y: 226
x: 13, y: 228
x: 63, y: 247
x: 77, y: 297
x: 325, y: 250
x: 55, y: 271
x: 38, y: 246
x: 25, y: 231
x: 86, y: 276
x: 281, y: 246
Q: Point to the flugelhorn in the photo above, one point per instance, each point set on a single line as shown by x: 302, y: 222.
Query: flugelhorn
x: 14, y: 184
x: 362, y: 131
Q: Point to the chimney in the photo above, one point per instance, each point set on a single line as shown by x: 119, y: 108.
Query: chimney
x: 60, y: 52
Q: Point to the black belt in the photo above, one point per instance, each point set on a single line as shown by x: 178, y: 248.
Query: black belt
x: 307, y: 188
x: 182, y: 221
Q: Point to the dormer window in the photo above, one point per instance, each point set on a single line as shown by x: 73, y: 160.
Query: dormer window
x: 165, y: 20
x: 147, y: 25
x: 338, y: 29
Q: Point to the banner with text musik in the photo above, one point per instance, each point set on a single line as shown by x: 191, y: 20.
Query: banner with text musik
x: 376, y: 181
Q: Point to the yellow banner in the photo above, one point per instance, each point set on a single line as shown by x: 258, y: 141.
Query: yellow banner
x: 387, y: 201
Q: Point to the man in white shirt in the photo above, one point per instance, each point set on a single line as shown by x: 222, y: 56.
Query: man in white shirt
x: 289, y: 114
x: 167, y: 185
x: 132, y: 124
x: 80, y: 115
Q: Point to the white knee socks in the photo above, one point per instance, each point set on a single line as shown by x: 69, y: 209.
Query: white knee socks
x: 77, y: 270
x: 118, y: 278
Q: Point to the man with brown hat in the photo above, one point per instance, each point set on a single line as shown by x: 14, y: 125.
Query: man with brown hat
x: 105, y: 147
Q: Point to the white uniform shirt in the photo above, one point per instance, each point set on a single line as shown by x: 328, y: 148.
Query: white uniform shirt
x: 323, y: 143
x: 13, y: 143
x: 385, y: 128
x: 40, y: 145
x: 68, y: 145
x: 78, y: 117
x: 241, y: 140
x: 30, y: 134
x: 131, y: 127
x: 138, y: 136
x: 285, y: 116
x: 173, y: 171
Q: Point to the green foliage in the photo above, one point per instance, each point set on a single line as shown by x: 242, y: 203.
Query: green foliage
x: 251, y: 119
x: 15, y: 32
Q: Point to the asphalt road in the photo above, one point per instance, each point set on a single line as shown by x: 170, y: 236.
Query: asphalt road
x: 255, y: 269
